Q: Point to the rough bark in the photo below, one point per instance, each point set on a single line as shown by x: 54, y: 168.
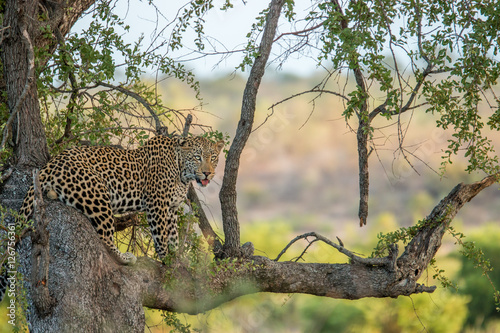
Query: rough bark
x: 227, y: 193
x: 24, y: 125
x: 23, y: 21
x: 364, y: 277
x: 89, y: 291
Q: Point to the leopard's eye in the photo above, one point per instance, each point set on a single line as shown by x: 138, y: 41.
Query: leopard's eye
x: 197, y: 157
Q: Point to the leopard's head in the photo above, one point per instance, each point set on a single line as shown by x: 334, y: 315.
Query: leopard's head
x: 200, y: 157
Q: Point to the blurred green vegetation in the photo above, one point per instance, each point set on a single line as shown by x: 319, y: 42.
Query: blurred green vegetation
x: 482, y: 306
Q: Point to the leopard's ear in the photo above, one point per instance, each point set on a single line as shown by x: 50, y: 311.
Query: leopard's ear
x: 220, y: 145
x: 185, y: 144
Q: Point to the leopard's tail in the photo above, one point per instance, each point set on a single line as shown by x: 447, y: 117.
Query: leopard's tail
x: 24, y: 213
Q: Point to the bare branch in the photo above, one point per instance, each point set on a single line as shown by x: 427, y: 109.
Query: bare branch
x: 187, y: 124
x: 298, y: 33
x: 356, y: 259
x: 137, y: 97
x: 314, y: 90
x: 426, y: 242
x: 212, y: 238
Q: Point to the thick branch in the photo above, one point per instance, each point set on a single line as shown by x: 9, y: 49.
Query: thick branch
x: 427, y: 241
x: 25, y: 35
x: 364, y: 277
x: 29, y: 80
x: 227, y: 193
x: 24, y: 125
x: 40, y: 256
x: 81, y: 271
x: 364, y: 177
x: 343, y: 281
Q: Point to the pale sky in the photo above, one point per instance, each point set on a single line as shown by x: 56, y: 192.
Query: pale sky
x: 229, y: 28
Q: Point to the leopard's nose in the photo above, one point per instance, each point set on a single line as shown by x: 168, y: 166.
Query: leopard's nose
x: 207, y: 174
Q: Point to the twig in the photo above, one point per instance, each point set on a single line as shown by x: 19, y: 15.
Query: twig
x: 137, y: 97
x: 314, y: 90
x: 298, y: 33
x: 6, y: 175
x: 386, y: 261
x: 305, y: 250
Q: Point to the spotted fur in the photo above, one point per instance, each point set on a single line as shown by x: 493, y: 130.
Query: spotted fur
x: 103, y: 181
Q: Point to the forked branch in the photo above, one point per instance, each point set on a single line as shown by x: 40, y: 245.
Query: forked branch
x: 386, y: 261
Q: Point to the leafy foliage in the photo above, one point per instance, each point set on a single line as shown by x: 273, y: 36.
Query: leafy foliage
x: 472, y: 255
x: 429, y: 56
x: 80, y: 100
x: 171, y: 319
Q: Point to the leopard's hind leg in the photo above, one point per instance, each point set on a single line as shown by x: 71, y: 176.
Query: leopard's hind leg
x: 94, y: 202
x: 104, y: 225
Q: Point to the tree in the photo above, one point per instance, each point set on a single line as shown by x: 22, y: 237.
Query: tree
x: 71, y: 281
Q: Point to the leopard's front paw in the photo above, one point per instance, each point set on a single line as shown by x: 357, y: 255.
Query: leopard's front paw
x: 128, y: 258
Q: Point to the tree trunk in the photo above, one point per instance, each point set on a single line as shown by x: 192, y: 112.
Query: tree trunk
x: 227, y: 193
x: 91, y: 291
x: 24, y: 19
x: 27, y: 132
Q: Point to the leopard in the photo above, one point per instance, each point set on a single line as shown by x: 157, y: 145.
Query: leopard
x: 102, y: 182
